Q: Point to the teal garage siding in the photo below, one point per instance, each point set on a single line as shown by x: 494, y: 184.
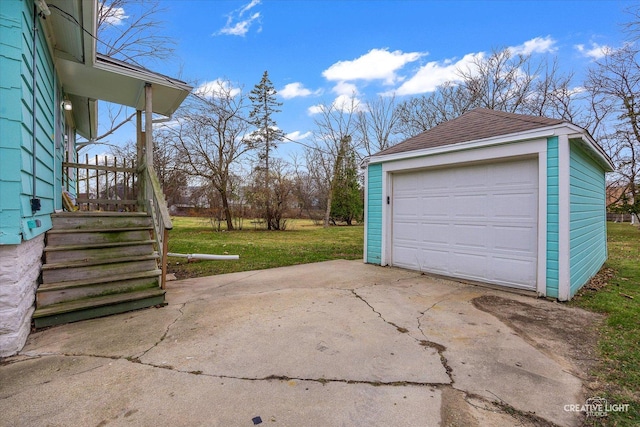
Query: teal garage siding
x: 16, y: 126
x: 587, y: 219
x: 374, y: 214
x: 553, y: 267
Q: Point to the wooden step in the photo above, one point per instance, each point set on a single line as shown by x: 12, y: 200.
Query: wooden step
x: 90, y: 308
x: 54, y: 293
x: 79, y: 270
x: 97, y: 251
x: 95, y: 236
x: 93, y: 220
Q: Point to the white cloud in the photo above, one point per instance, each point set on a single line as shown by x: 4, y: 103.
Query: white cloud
x: 249, y: 6
x: 295, y: 90
x: 535, y: 45
x: 216, y: 88
x: 345, y: 103
x: 113, y: 15
x: 315, y: 109
x: 345, y: 88
x: 595, y: 52
x: 377, y: 64
x: 297, y: 135
x: 236, y: 26
x: 434, y: 74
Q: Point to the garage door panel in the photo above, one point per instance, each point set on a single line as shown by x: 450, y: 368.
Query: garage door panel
x: 407, y: 256
x: 405, y: 206
x: 470, y: 205
x: 514, y: 205
x: 434, y: 261
x: 513, y: 271
x: 433, y: 233
x: 406, y: 231
x: 470, y: 236
x: 475, y: 222
x: 436, y: 206
x: 515, y: 239
x: 469, y: 266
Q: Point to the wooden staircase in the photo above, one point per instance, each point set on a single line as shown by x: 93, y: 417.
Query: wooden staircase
x: 97, y: 264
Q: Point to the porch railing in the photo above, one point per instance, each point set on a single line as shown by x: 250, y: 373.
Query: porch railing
x: 105, y: 184
x: 109, y: 184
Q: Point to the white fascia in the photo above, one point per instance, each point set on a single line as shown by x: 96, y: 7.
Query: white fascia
x: 479, y: 143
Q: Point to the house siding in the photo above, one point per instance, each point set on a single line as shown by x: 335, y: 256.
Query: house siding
x: 21, y: 230
x: 16, y: 126
x: 374, y: 214
x: 587, y: 224
x: 552, y: 218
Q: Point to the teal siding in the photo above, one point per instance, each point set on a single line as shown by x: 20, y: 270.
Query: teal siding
x: 587, y: 219
x: 374, y: 214
x: 553, y: 276
x: 16, y: 128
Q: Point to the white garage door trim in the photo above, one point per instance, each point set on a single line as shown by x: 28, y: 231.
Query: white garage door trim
x: 534, y: 148
x: 472, y: 221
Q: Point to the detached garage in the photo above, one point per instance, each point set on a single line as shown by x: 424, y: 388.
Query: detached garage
x: 494, y: 197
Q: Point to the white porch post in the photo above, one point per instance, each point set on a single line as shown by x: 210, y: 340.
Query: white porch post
x: 148, y: 134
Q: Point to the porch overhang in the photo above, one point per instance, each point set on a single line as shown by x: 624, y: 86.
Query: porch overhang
x: 108, y: 79
x: 87, y: 76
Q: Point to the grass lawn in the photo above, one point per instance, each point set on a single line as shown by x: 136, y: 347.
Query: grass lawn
x: 302, y: 242
x: 619, y: 371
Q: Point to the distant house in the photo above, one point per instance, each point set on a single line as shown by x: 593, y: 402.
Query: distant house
x: 51, y: 79
x: 506, y: 199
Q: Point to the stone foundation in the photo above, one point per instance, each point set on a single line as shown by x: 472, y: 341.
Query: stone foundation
x: 19, y: 270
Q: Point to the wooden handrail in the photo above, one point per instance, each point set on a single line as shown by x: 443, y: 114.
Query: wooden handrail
x: 157, y: 208
x: 157, y: 192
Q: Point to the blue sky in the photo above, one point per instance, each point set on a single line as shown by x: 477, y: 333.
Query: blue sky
x: 317, y: 51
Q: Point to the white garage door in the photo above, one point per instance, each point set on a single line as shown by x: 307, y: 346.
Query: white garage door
x: 476, y: 222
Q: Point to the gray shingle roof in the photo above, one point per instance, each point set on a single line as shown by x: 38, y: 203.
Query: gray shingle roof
x: 473, y: 125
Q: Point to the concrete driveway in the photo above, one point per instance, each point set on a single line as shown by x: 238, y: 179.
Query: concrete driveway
x: 338, y: 343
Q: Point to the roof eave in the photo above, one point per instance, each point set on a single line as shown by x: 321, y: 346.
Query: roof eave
x: 468, y: 145
x: 571, y: 130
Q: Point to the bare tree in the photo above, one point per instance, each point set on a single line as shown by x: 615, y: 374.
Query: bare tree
x: 377, y: 125
x: 129, y: 30
x: 501, y: 81
x: 614, y: 82
x: 210, y: 135
x: 332, y: 141
x: 421, y: 113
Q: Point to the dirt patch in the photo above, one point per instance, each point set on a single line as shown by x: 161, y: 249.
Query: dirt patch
x: 567, y: 335
x: 460, y: 409
x: 455, y: 411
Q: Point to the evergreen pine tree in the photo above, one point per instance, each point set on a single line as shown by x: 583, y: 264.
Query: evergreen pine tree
x: 347, y: 200
x: 267, y: 135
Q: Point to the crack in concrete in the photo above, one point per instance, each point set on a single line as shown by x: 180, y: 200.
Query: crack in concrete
x: 436, y: 346
x: 166, y: 331
x: 439, y: 348
x: 400, y: 329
